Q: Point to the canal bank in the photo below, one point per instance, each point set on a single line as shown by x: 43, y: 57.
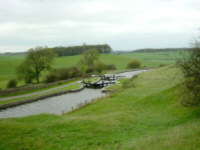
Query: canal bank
x: 56, y: 104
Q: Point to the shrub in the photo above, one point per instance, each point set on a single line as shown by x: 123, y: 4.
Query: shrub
x: 50, y: 78
x: 190, y: 66
x: 90, y: 69
x: 134, y: 64
x: 73, y: 72
x: 111, y: 67
x: 163, y: 65
x: 12, y: 83
x: 60, y: 82
x: 99, y: 67
x: 62, y: 74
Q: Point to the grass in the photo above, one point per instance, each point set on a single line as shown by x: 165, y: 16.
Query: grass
x: 9, y: 63
x: 154, y: 59
x: 42, y: 89
x: 146, y: 117
x: 92, y: 79
x: 117, y: 86
x: 70, y: 87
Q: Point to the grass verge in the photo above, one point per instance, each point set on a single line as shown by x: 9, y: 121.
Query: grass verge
x: 146, y: 117
x: 70, y: 87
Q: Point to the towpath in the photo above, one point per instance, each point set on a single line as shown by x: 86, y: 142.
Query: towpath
x: 37, y: 93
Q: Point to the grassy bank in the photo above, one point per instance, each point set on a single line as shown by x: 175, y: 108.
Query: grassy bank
x: 70, y: 87
x: 148, y: 116
x: 41, y: 89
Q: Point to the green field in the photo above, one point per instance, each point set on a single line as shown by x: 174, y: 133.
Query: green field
x: 146, y: 117
x: 154, y: 59
x: 8, y: 63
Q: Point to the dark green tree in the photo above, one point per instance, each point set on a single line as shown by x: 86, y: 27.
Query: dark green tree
x: 36, y: 61
x: 99, y: 67
x: 12, y: 83
x: 25, y: 73
x: 89, y: 58
x: 134, y: 64
x: 190, y: 67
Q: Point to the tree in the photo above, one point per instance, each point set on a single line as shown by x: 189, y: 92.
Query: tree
x: 190, y: 66
x: 83, y: 68
x: 37, y: 60
x: 76, y: 50
x: 110, y: 67
x: 99, y: 67
x: 91, y: 56
x: 12, y: 83
x: 134, y: 64
x: 89, y: 59
x: 25, y: 73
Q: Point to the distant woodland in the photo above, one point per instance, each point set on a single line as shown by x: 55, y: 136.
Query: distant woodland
x: 76, y: 50
x: 160, y: 49
x: 102, y: 49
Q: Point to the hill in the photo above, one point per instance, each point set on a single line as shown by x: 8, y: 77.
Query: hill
x: 161, y: 50
x: 148, y: 117
x: 8, y: 63
x: 155, y: 58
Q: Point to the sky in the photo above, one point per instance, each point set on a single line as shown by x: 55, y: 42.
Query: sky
x: 123, y: 24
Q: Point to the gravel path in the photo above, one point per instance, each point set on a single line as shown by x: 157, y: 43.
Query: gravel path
x: 39, y: 92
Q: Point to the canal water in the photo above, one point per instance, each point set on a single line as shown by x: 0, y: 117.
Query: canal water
x: 58, y: 104
x: 130, y: 74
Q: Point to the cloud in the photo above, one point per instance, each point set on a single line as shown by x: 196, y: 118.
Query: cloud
x: 25, y: 24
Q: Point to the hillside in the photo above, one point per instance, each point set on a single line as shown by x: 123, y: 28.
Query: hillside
x: 154, y: 59
x: 161, y: 50
x: 148, y: 117
x: 8, y: 63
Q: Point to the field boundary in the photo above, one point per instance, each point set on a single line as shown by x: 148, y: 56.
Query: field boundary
x: 26, y: 89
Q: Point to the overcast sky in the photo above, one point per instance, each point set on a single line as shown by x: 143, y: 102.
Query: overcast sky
x: 123, y: 24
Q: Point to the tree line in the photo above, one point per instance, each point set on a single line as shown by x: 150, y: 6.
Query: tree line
x: 190, y: 66
x: 161, y: 50
x: 76, y: 50
x: 40, y: 59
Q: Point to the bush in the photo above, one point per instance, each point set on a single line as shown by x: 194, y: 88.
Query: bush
x: 90, y: 69
x: 110, y: 67
x: 73, y: 72
x: 28, y: 80
x: 62, y: 74
x: 99, y: 67
x: 190, y: 66
x: 134, y: 64
x: 12, y: 83
x: 163, y: 65
x: 50, y: 78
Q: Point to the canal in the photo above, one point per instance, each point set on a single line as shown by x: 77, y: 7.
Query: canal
x: 59, y: 104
